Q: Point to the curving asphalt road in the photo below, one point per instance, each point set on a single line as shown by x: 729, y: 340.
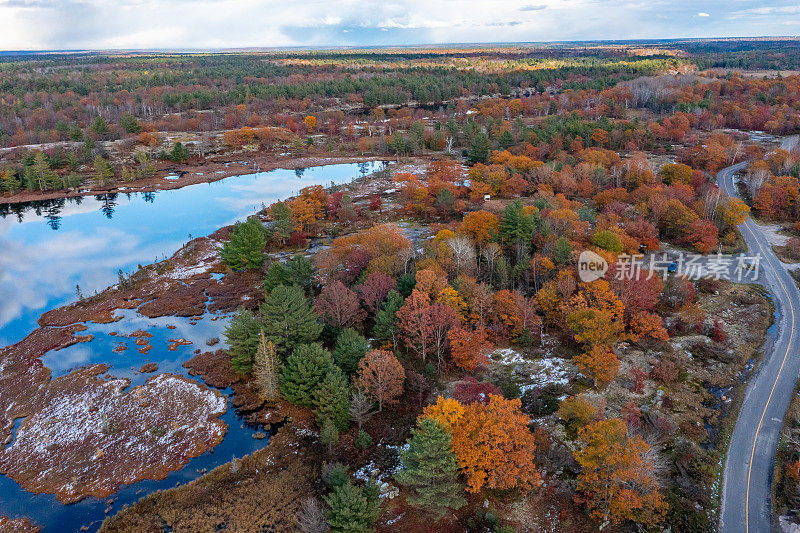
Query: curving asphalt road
x: 746, y: 501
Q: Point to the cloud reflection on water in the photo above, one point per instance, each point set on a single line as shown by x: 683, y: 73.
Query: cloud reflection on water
x: 41, y: 266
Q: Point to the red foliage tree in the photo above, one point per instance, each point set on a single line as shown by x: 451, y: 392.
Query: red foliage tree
x: 471, y: 390
x: 338, y: 306
x: 375, y: 289
x: 415, y: 329
x: 441, y: 318
x: 703, y: 235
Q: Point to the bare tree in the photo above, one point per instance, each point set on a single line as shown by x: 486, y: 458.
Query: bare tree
x: 360, y: 408
x: 755, y: 177
x: 311, y: 518
x: 463, y: 253
x: 265, y: 368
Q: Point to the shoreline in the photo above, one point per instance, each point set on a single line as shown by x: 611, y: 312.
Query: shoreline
x: 165, y: 289
x: 207, y: 172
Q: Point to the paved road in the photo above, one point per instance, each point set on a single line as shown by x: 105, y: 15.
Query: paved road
x: 748, y: 469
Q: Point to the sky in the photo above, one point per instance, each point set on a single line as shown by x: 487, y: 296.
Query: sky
x: 203, y: 24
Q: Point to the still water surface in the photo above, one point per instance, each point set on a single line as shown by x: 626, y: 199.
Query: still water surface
x: 46, y: 249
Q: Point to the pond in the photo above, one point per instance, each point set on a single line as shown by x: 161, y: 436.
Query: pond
x: 48, y: 249
x: 44, y: 509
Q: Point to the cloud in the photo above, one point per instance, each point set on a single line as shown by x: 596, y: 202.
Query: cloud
x: 99, y: 24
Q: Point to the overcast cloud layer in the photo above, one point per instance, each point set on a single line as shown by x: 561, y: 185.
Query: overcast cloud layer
x: 103, y: 24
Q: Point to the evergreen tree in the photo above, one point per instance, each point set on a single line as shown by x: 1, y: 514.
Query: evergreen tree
x: 303, y: 373
x: 562, y: 250
x: 289, y: 320
x: 406, y: 284
x: 245, y: 249
x: 44, y: 175
x: 429, y: 470
x: 506, y: 140
x: 276, y: 275
x: 385, y: 329
x: 265, y: 368
x: 179, y: 153
x: 352, y: 509
x: 329, y: 435
x: 282, y: 224
x: 300, y: 271
x: 479, y: 149
x: 332, y: 399
x: 517, y: 227
x: 350, y: 348
x: 100, y: 126
x: 242, y: 336
x: 103, y: 171
x: 129, y: 123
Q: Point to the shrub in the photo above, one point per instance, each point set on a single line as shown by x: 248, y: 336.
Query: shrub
x: 363, y: 441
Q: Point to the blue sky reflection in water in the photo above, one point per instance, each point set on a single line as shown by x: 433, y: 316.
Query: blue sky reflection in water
x: 44, y: 509
x: 43, y: 257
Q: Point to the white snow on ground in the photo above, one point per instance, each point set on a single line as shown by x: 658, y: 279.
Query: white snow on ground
x: 370, y: 471
x: 507, y: 356
x: 105, y: 436
x: 534, y: 373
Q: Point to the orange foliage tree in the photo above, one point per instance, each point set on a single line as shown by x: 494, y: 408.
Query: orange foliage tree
x: 310, y: 121
x: 599, y: 363
x: 380, y: 377
x: 482, y: 226
x: 309, y: 206
x: 469, y: 348
x: 616, y: 477
x: 492, y: 442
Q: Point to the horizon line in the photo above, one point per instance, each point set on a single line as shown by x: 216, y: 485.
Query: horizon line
x: 501, y: 44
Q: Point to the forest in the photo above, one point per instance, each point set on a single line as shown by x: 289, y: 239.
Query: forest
x: 423, y: 333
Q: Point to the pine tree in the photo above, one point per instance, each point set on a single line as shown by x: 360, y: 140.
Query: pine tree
x: 386, y: 329
x: 265, y: 368
x: 179, y: 153
x: 130, y: 123
x: 517, y: 228
x: 282, y: 224
x: 350, y: 348
x: 276, y: 275
x: 99, y: 126
x: 429, y: 470
x: 242, y: 337
x: 479, y: 149
x: 45, y: 177
x: 328, y: 435
x: 289, y: 319
x: 352, y: 509
x: 245, y: 249
x: 303, y: 372
x: 332, y: 399
x: 103, y: 171
x: 300, y: 271
x: 506, y: 140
